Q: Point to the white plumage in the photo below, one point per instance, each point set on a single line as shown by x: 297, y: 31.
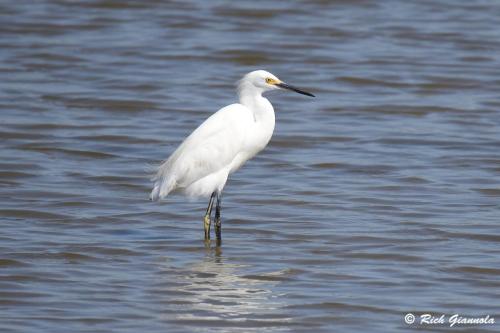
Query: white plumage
x: 200, y: 166
x: 219, y: 146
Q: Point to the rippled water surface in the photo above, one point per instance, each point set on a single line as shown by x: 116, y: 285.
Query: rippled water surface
x: 377, y: 198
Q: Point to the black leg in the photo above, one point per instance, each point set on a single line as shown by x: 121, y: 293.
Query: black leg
x: 217, y: 221
x: 206, y: 220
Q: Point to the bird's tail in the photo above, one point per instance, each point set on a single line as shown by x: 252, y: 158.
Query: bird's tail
x: 164, y: 181
x: 162, y: 187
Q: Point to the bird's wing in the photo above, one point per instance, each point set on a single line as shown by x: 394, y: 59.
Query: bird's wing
x: 211, y: 147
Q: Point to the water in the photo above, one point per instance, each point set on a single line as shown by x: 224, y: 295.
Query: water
x: 377, y: 198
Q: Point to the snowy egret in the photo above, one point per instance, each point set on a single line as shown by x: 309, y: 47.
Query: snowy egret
x: 200, y: 166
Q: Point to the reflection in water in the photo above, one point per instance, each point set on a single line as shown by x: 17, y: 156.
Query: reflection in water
x: 214, y: 289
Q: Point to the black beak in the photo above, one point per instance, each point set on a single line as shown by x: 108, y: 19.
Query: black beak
x: 289, y: 87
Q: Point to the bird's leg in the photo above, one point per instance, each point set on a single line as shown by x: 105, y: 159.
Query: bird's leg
x: 206, y: 221
x: 217, y: 221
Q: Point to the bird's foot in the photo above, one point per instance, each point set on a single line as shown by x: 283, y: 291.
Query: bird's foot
x: 206, y: 224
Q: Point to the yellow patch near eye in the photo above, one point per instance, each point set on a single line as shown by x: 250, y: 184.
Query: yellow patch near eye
x: 271, y: 81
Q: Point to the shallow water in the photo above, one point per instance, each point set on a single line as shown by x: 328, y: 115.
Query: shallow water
x: 378, y: 198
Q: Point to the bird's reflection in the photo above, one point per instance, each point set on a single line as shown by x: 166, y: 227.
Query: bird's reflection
x: 214, y: 288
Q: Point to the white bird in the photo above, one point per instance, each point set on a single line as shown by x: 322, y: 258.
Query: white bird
x: 200, y: 166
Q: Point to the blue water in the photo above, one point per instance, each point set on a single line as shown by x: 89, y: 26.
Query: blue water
x: 378, y: 198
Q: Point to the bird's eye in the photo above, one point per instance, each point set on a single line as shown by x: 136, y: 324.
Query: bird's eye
x: 269, y: 80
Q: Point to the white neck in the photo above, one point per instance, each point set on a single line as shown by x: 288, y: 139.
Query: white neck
x: 251, y: 97
x: 263, y: 114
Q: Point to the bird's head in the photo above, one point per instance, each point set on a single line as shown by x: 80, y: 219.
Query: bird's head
x: 263, y: 81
